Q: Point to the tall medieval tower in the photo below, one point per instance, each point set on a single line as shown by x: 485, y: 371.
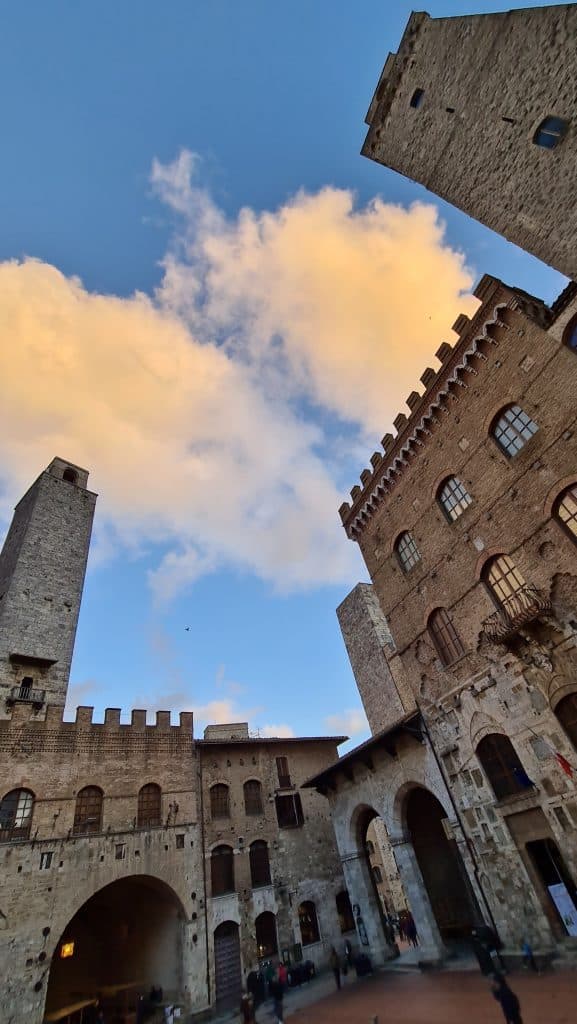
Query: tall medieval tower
x: 42, y: 569
x: 482, y: 111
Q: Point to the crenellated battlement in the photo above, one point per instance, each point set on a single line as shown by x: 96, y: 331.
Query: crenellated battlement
x: 443, y: 389
x: 24, y: 723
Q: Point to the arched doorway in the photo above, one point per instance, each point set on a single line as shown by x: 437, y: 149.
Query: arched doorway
x: 123, y: 940
x: 227, y: 970
x: 381, y: 869
x: 448, y: 888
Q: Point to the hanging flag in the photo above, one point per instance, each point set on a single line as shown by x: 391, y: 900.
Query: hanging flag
x: 564, y: 764
x: 522, y: 778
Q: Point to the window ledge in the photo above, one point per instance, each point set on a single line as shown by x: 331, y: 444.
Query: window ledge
x: 225, y: 895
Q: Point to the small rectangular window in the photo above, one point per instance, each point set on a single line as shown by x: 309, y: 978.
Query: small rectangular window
x: 46, y: 860
x: 180, y: 842
x: 289, y: 811
x: 284, y: 779
x: 120, y: 852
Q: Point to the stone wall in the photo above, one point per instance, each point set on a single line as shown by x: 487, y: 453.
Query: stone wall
x: 304, y: 860
x: 488, y: 81
x: 512, y: 351
x: 42, y: 567
x: 44, y: 881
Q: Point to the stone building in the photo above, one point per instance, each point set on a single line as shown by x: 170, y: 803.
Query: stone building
x: 467, y: 523
x: 481, y: 110
x: 132, y: 854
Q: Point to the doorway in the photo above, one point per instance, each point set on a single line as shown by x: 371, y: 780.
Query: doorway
x: 558, y: 883
x: 124, y: 940
x: 227, y: 970
x: 450, y: 894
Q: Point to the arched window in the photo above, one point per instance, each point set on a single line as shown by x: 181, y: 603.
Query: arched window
x: 512, y: 428
x: 70, y: 475
x: 149, y: 806
x: 501, y: 765
x: 219, y: 801
x: 344, y: 910
x: 551, y: 132
x: 259, y: 864
x: 308, y: 923
x: 407, y: 551
x: 453, y: 498
x: 566, y: 712
x: 445, y: 637
x: 16, y: 815
x: 504, y: 581
x: 265, y: 931
x: 88, y: 811
x: 570, y: 335
x: 377, y: 874
x: 253, y: 797
x: 222, y: 870
x: 565, y: 510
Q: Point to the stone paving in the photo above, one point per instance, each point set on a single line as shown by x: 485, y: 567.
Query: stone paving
x: 449, y: 997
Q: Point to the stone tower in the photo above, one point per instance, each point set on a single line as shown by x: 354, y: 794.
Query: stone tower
x: 376, y: 667
x: 42, y: 568
x: 482, y: 111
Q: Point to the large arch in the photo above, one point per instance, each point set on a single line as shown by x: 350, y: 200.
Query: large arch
x: 444, y: 875
x: 125, y: 939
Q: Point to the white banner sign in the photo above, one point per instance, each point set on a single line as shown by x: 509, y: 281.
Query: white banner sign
x: 565, y: 906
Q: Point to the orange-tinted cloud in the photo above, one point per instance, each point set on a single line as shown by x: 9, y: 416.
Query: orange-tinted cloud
x: 201, y: 411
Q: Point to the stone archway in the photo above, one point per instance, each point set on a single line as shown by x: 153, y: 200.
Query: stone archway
x: 444, y: 875
x: 122, y: 941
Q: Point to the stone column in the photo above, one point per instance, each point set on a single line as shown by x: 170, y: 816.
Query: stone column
x: 363, y: 896
x: 431, y: 946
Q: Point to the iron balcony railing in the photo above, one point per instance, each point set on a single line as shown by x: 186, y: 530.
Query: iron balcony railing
x: 516, y: 611
x: 26, y: 695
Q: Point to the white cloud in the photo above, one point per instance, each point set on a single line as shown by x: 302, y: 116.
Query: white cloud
x: 199, y: 412
x: 348, y: 723
x: 279, y: 731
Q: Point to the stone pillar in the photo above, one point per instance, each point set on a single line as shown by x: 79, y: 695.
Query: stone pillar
x: 431, y: 946
x: 363, y: 896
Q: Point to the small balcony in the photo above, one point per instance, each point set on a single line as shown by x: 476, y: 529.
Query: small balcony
x: 26, y: 695
x: 517, y: 611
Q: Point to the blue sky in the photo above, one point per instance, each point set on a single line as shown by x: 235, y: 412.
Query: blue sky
x: 133, y: 136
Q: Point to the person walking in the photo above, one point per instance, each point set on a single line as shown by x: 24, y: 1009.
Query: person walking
x: 411, y: 930
x: 276, y: 990
x: 247, y: 1009
x: 335, y: 966
x: 507, y: 999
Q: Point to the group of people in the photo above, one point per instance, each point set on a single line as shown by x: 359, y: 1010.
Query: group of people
x: 268, y: 982
x: 402, y: 925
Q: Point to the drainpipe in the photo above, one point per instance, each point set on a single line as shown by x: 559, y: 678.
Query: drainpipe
x: 202, y: 837
x: 457, y: 813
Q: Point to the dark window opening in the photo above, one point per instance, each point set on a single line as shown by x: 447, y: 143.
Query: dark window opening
x: 551, y: 132
x: 502, y: 766
x: 450, y: 110
x: 88, y: 811
x: 377, y: 874
x: 70, y: 475
x: 222, y: 870
x: 445, y: 637
x: 265, y: 931
x: 219, y: 801
x: 570, y: 335
x: 308, y: 923
x: 345, y: 912
x: 566, y: 712
x: 553, y: 872
x: 509, y: 120
x: 417, y: 98
x: 180, y: 842
x: 149, y: 806
x: 259, y: 864
x: 46, y: 860
x: 284, y: 778
x: 253, y: 797
x: 289, y: 811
